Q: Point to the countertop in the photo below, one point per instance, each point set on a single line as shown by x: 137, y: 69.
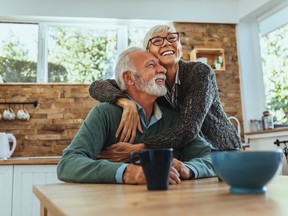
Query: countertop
x: 41, y: 160
x: 268, y: 131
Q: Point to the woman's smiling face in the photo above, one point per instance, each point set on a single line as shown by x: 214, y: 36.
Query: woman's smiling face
x: 168, y: 53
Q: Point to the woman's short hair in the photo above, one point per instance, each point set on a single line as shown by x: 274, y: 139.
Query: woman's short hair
x: 125, y: 63
x: 157, y: 30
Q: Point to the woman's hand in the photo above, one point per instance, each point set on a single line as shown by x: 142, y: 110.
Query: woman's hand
x: 120, y: 152
x: 130, y: 121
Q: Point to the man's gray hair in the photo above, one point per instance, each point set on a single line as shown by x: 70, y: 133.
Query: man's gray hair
x: 125, y: 63
x: 156, y: 30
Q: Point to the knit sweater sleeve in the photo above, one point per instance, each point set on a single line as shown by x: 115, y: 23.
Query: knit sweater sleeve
x: 106, y: 91
x: 198, y: 91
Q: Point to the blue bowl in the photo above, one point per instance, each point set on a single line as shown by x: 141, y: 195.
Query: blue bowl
x: 247, y: 172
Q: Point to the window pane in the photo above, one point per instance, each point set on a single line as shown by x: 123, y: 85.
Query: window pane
x: 80, y: 54
x: 136, y: 35
x: 18, y: 52
x: 274, y: 51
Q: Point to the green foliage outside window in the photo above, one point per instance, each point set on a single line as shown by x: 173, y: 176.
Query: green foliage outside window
x: 16, y: 65
x: 85, y: 54
x: 75, y: 55
x: 274, y: 48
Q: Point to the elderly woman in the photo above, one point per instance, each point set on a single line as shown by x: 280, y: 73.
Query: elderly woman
x: 192, y: 91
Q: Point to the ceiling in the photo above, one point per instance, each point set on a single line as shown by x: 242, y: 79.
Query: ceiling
x: 211, y: 11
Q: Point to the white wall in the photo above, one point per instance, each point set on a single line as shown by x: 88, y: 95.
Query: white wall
x: 211, y: 11
x: 246, y: 7
x: 251, y: 78
x: 274, y: 21
x: 221, y: 11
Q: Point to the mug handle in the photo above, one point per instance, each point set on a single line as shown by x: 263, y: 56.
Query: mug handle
x: 135, y: 158
x: 13, y: 139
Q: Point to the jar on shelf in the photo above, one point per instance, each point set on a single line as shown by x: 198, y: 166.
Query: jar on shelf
x: 260, y: 123
x: 254, y: 125
x: 267, y: 120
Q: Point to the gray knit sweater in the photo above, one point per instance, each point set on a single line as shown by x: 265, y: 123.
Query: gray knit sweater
x: 199, y: 106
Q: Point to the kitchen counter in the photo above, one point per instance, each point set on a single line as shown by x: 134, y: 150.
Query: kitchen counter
x: 281, y: 129
x: 265, y: 140
x: 40, y: 160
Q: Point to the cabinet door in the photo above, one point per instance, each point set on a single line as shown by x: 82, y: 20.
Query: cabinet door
x: 265, y: 141
x: 25, y: 202
x: 6, y: 182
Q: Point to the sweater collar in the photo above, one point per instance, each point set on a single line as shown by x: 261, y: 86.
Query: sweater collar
x: 156, y: 116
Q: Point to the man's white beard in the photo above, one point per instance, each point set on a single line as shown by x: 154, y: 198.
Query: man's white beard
x: 151, y: 87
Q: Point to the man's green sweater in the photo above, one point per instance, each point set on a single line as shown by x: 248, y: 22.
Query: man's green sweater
x: 79, y: 162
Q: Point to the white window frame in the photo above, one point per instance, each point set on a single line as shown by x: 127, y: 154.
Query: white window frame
x: 43, y: 24
x: 250, y: 63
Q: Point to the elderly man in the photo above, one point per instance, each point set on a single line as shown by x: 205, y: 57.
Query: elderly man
x: 140, y: 75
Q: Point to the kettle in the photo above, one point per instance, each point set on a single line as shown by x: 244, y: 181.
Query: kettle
x: 5, y: 151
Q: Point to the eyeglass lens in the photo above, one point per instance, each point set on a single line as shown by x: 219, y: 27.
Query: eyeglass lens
x: 158, y: 41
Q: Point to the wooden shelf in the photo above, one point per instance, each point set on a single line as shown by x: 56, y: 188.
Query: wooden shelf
x: 210, y: 56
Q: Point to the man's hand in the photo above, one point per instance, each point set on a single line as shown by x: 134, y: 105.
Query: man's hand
x: 185, y: 172
x: 120, y: 152
x: 134, y: 174
x: 130, y: 121
x: 174, y: 177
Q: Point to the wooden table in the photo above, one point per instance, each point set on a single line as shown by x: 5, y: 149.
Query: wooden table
x: 193, y: 197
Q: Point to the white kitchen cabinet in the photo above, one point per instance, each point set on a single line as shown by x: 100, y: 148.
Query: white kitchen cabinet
x: 25, y: 176
x: 6, y: 183
x: 264, y: 140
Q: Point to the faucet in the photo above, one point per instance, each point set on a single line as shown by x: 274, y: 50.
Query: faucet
x: 238, y: 124
x: 243, y: 145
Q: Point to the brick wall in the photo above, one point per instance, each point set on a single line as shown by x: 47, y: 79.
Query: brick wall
x: 217, y: 36
x: 53, y: 123
x: 62, y: 108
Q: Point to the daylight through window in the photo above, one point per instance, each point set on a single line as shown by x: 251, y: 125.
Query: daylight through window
x: 274, y: 51
x: 64, y: 53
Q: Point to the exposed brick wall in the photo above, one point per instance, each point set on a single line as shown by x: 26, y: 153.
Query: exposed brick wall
x: 62, y: 108
x: 217, y: 36
x: 53, y: 123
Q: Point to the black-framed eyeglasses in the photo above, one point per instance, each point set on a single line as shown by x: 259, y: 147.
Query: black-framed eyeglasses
x: 158, y: 40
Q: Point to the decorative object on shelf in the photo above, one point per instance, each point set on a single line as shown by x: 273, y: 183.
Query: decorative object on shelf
x: 267, y: 119
x: 203, y: 60
x: 255, y: 125
x: 215, y: 57
x: 218, y: 63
